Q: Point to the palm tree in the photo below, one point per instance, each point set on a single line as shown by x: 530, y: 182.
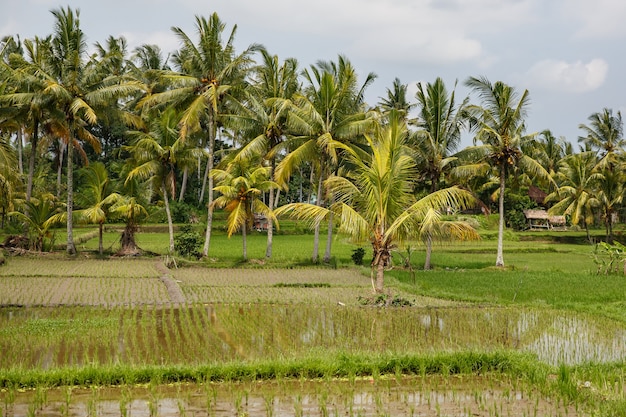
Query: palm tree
x: 548, y: 150
x: 375, y: 201
x: 605, y: 135
x: 80, y: 90
x: 575, y: 195
x: 241, y: 185
x: 35, y: 107
x: 325, y: 120
x: 156, y: 156
x: 500, y: 125
x: 40, y: 215
x: 209, y: 73
x: 396, y: 100
x: 97, y: 196
x: 263, y: 117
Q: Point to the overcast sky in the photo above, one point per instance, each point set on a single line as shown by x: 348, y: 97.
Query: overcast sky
x: 569, y: 54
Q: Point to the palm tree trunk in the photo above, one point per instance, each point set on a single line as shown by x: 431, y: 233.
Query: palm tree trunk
x: 31, y: 161
x: 270, y: 227
x: 500, y: 256
x: 429, y: 251
x: 380, y: 276
x: 60, y: 170
x: 329, y: 238
x: 183, y: 185
x: 316, y: 237
x: 209, y: 220
x: 71, y: 248
x: 244, y: 227
x: 20, y: 148
x: 100, y: 233
x: 170, y: 223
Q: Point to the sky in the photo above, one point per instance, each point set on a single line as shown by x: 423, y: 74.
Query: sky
x: 569, y: 54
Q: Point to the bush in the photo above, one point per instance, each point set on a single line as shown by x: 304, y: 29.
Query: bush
x: 357, y: 256
x: 188, y: 241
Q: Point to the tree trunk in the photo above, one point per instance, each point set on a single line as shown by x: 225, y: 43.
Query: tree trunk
x: 100, y: 243
x: 71, y: 248
x: 329, y: 238
x: 500, y: 256
x: 380, y: 276
x: 60, y: 170
x: 315, y: 257
x: 429, y: 251
x: 245, y: 241
x: 20, y: 148
x: 31, y: 162
x: 209, y: 221
x: 270, y: 227
x: 170, y: 224
x: 183, y: 185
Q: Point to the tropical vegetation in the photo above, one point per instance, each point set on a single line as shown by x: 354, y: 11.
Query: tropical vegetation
x: 152, y: 137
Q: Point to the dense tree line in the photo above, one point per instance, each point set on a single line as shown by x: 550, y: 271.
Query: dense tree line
x: 122, y: 134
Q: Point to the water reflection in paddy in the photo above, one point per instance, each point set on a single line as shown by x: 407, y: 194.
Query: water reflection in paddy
x: 52, y: 337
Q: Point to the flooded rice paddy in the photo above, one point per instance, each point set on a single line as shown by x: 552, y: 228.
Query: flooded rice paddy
x: 414, y: 396
x: 70, y: 336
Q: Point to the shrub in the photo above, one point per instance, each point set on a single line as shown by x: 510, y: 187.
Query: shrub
x: 188, y: 242
x: 357, y: 256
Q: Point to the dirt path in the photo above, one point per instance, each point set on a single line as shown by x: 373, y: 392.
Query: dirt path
x: 173, y: 289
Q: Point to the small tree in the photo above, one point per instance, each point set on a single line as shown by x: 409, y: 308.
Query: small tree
x: 241, y: 185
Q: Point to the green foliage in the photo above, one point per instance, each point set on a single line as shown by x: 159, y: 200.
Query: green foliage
x: 514, y: 206
x: 385, y: 300
x: 608, y: 258
x: 357, y: 256
x: 183, y: 212
x: 188, y: 242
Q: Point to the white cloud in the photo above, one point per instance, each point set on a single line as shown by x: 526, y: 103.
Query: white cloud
x: 576, y: 77
x: 598, y: 18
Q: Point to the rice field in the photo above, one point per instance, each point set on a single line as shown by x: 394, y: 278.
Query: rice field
x: 71, y: 329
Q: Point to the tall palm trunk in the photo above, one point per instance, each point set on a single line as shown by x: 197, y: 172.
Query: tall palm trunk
x: 429, y: 251
x: 245, y: 240
x: 209, y: 220
x: 168, y: 212
x: 329, y: 238
x: 71, y: 248
x: 60, y: 169
x: 500, y: 256
x: 100, y: 233
x: 20, y: 150
x: 31, y: 162
x: 270, y: 227
x: 315, y: 257
x: 183, y: 185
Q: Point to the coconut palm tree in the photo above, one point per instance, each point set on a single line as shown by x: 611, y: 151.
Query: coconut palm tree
x: 157, y: 155
x: 39, y: 216
x: 575, y: 195
x: 208, y: 74
x: 499, y: 123
x: 325, y: 121
x: 263, y: 117
x: 605, y: 135
x: 440, y: 123
x: 375, y: 200
x: 80, y: 89
x: 396, y: 100
x: 241, y: 186
x: 97, y: 195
